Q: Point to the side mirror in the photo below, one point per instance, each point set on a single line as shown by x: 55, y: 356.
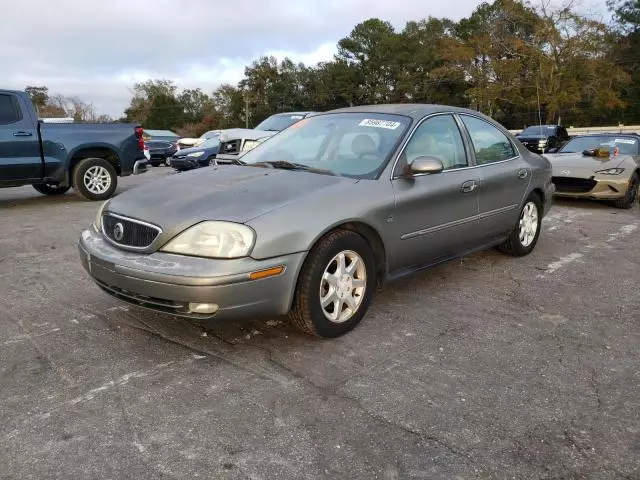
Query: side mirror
x: 424, y: 165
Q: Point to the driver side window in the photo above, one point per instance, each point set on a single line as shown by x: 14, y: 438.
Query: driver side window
x: 438, y: 137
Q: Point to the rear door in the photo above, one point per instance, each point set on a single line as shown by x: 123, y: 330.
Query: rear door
x: 504, y: 176
x: 435, y: 215
x: 20, y: 158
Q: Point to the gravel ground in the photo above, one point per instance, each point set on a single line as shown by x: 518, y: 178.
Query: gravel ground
x: 487, y: 367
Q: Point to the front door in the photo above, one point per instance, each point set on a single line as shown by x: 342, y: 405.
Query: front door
x: 505, y: 177
x: 435, y: 215
x: 19, y: 144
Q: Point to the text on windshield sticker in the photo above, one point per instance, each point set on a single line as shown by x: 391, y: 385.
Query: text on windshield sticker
x: 627, y: 141
x: 368, y: 122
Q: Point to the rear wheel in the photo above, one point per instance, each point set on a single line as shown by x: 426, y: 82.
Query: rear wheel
x: 46, y: 189
x: 95, y: 179
x: 335, y: 286
x: 523, y: 239
x: 631, y: 195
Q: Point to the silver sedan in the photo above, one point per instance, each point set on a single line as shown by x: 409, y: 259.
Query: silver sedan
x: 311, y: 221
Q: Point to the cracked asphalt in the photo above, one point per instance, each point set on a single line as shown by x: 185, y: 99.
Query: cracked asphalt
x: 487, y: 367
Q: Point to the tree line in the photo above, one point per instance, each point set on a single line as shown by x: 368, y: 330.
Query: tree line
x: 519, y: 62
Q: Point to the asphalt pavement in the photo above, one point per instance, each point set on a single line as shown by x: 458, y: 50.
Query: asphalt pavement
x: 487, y: 367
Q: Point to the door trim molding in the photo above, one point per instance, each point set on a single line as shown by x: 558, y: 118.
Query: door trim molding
x: 456, y: 223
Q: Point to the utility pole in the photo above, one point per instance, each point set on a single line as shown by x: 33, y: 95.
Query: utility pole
x: 246, y: 110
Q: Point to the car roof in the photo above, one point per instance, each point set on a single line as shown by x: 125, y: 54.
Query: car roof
x: 290, y: 113
x: 413, y: 110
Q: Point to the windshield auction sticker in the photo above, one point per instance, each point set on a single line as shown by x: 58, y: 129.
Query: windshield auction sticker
x: 368, y: 122
x: 627, y: 141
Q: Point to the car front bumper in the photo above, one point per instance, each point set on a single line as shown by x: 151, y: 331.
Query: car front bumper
x: 184, y: 163
x: 595, y: 187
x: 170, y: 283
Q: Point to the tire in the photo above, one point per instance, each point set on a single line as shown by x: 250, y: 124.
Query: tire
x: 167, y: 162
x: 50, y: 189
x: 89, y: 168
x: 307, y: 312
x: 211, y: 161
x: 631, y: 195
x: 516, y: 246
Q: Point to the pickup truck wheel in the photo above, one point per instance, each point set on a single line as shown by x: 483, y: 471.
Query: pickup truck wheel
x: 95, y: 179
x: 45, y: 189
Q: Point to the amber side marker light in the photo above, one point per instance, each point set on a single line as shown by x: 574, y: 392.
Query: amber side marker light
x: 269, y: 272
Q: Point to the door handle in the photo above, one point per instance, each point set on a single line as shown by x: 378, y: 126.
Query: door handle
x: 468, y: 186
x: 523, y: 173
x: 22, y: 134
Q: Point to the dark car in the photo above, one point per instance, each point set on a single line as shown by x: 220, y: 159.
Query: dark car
x: 54, y: 157
x: 160, y: 151
x: 541, y: 138
x: 196, y: 157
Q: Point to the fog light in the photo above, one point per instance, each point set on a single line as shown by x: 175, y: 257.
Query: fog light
x: 203, y: 308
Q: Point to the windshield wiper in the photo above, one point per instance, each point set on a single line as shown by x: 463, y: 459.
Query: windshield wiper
x: 229, y: 161
x: 285, y: 165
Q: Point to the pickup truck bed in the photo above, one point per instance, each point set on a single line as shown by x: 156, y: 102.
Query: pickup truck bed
x: 56, y: 157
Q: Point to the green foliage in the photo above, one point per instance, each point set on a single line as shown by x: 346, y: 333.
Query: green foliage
x: 519, y: 62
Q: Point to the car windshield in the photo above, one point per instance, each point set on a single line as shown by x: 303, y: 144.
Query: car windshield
x: 539, y: 130
x: 626, y: 145
x: 211, y: 142
x: 279, y: 122
x: 356, y: 145
x: 210, y: 134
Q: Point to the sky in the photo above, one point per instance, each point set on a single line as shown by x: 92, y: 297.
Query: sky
x: 97, y: 50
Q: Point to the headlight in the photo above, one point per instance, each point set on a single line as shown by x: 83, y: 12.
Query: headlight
x: 97, y: 223
x: 213, y: 239
x: 611, y: 171
x: 195, y: 154
x: 249, y: 144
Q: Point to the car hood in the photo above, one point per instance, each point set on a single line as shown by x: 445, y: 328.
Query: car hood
x: 578, y: 160
x: 233, y: 193
x: 186, y: 151
x: 246, y: 133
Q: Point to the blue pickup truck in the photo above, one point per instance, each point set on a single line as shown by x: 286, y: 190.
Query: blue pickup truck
x: 56, y: 157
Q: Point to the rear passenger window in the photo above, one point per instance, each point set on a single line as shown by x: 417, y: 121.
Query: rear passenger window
x: 489, y: 143
x: 9, y: 112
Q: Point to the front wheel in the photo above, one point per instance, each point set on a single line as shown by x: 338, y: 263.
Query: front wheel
x: 631, y: 195
x: 335, y: 286
x: 95, y: 179
x: 46, y: 189
x: 211, y: 161
x: 523, y: 239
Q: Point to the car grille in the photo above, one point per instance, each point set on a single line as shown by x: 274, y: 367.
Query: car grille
x: 573, y: 185
x: 230, y: 148
x: 153, y: 303
x: 129, y: 232
x: 534, y: 147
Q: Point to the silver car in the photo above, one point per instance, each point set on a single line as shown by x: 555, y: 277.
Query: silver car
x: 308, y: 223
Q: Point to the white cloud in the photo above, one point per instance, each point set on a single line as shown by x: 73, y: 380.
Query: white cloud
x: 97, y: 50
